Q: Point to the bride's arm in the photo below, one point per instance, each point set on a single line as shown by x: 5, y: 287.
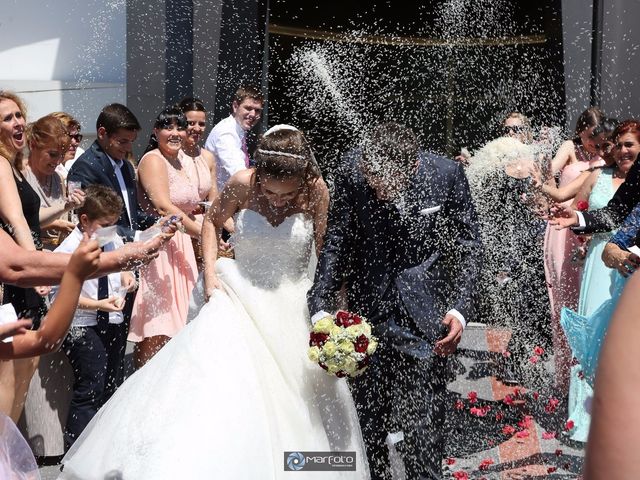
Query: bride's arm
x: 319, y: 205
x: 222, y: 208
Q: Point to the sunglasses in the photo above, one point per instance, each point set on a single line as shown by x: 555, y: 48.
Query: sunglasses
x: 512, y: 129
x: 76, y: 136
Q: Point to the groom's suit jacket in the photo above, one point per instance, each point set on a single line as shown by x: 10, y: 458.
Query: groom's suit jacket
x: 425, y: 256
x: 94, y: 167
x: 619, y: 207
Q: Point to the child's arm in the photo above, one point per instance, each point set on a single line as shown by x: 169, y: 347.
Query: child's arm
x: 110, y: 304
x: 54, y: 326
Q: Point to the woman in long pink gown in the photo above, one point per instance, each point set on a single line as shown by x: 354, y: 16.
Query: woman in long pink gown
x: 168, y: 186
x: 562, y: 270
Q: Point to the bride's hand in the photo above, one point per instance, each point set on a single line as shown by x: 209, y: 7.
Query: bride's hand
x: 212, y: 284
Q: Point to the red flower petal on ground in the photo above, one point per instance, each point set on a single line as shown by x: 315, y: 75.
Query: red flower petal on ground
x: 499, y: 416
x: 522, y: 434
x: 317, y: 339
x: 459, y: 405
x: 485, y: 464
x: 582, y: 205
x: 526, y: 422
x: 450, y: 461
x: 506, y: 354
x: 558, y: 452
x: 460, y: 475
x: 534, y: 359
x: 551, y: 405
x: 361, y: 344
x: 548, y: 435
x: 472, y: 396
x: 569, y: 425
x: 478, y: 411
x: 538, y: 351
x: 508, y: 430
x: 551, y: 469
x: 536, y: 395
x: 507, y: 400
x: 581, y: 375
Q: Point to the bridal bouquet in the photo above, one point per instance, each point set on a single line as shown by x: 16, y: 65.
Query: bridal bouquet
x: 342, y: 344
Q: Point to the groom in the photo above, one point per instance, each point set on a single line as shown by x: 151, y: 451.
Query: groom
x: 403, y: 239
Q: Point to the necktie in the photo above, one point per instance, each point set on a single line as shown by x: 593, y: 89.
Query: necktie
x: 246, y: 151
x: 103, y: 292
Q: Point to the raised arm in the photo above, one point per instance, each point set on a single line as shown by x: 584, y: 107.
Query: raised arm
x: 154, y: 178
x: 26, y: 268
x: 567, y: 192
x: 57, y: 321
x: 564, y: 155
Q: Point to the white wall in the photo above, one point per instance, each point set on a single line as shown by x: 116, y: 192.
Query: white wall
x: 64, y: 55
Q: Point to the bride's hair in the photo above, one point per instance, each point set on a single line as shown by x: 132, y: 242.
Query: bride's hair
x: 286, y: 154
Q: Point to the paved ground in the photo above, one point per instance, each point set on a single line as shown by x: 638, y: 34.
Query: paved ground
x: 481, y: 443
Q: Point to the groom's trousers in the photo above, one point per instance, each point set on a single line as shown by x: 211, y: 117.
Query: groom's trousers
x: 400, y: 392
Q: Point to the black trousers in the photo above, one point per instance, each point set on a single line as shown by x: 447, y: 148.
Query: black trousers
x: 403, y: 393
x: 88, y: 357
x: 114, y: 338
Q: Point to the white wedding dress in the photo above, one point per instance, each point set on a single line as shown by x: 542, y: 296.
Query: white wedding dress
x: 227, y: 396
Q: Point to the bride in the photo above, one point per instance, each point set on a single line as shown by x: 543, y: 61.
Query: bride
x: 234, y: 391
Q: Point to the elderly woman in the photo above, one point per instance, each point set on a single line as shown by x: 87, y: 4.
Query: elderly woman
x: 45, y: 137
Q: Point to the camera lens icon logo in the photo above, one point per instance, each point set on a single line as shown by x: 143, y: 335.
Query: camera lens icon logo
x: 295, y: 461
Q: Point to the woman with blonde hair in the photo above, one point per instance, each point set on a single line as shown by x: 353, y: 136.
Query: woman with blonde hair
x: 23, y: 224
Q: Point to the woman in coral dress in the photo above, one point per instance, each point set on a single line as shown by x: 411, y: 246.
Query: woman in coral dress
x: 168, y: 186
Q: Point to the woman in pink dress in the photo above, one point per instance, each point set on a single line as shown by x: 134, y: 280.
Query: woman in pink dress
x: 196, y: 116
x: 562, y: 271
x: 168, y: 186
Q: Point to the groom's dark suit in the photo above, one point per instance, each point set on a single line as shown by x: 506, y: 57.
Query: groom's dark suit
x: 93, y: 167
x: 405, y: 266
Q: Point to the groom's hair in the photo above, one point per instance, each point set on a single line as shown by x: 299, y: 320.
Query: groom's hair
x: 390, y: 147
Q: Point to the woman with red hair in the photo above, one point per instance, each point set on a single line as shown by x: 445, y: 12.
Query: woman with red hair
x: 597, y: 279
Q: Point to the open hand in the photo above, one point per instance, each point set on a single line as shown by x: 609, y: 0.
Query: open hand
x: 448, y: 344
x: 563, y: 217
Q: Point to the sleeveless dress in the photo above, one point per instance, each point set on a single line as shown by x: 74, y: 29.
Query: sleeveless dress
x: 26, y: 301
x: 162, y: 301
x: 595, y: 290
x: 49, y: 396
x: 563, y: 274
x: 234, y: 390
